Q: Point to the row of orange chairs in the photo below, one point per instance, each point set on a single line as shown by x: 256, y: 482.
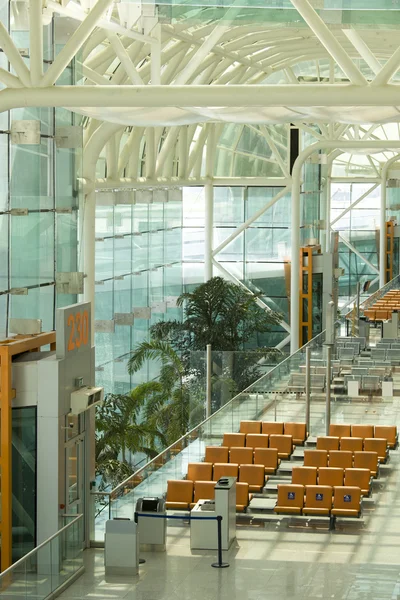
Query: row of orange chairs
x: 283, y: 443
x: 333, y: 476
x: 344, y: 459
x: 252, y: 474
x: 298, y: 431
x: 318, y: 500
x: 382, y: 309
x: 353, y: 444
x: 244, y: 456
x: 389, y: 432
x: 184, y: 494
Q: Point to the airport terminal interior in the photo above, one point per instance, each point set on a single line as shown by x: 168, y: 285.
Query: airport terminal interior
x: 199, y: 299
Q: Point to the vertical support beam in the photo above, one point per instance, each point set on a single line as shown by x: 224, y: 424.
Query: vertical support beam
x: 6, y: 473
x: 208, y: 230
x: 208, y: 380
x: 209, y: 206
x: 295, y: 264
x: 308, y: 387
x: 36, y: 41
x: 328, y: 387
x: 155, y: 66
x: 382, y: 233
x: 88, y: 241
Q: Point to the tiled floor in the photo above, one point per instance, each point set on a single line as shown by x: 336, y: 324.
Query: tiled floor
x: 273, y: 561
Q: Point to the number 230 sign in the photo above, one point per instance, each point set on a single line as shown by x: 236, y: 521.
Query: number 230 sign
x: 73, y: 326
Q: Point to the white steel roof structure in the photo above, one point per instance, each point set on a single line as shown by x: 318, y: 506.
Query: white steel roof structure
x: 159, y: 84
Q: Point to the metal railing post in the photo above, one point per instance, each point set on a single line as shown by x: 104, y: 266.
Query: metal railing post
x: 308, y: 386
x: 328, y: 387
x: 208, y: 380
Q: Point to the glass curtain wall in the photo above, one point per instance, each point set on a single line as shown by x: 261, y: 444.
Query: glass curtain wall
x: 359, y: 227
x: 138, y: 277
x: 39, y: 195
x: 257, y: 257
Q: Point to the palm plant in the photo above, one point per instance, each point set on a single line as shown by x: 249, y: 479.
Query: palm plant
x: 120, y: 434
x: 174, y: 402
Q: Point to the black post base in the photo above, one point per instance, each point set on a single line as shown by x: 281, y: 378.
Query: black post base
x: 220, y: 565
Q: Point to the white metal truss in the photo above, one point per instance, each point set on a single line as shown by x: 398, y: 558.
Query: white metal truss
x: 159, y: 94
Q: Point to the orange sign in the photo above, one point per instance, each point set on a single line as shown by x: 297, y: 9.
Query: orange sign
x: 73, y: 329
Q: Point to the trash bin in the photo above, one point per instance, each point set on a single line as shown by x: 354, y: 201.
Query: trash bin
x: 121, y: 547
x: 152, y: 531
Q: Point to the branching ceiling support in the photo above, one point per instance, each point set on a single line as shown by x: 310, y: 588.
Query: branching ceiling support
x: 328, y: 40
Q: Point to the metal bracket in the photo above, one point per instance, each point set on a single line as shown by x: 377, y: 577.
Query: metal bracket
x: 19, y: 291
x: 142, y: 312
x: 25, y: 132
x: 124, y: 319
x: 159, y: 307
x: 70, y: 136
x: 19, y: 212
x: 69, y: 283
x: 25, y: 326
x: 64, y: 211
x: 104, y: 326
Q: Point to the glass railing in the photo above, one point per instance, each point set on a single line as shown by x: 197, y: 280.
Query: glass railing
x: 393, y: 284
x: 267, y: 397
x: 47, y: 568
x: 230, y: 373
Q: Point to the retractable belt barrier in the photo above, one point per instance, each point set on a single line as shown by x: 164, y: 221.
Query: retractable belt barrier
x: 218, y: 518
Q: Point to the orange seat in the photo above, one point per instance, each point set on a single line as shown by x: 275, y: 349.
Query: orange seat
x: 381, y: 315
x: 315, y: 458
x: 216, y: 454
x: 367, y: 460
x: 360, y: 478
x: 234, y: 439
x: 283, y: 443
x: 362, y: 431
x: 340, y: 430
x: 304, y: 475
x: 389, y: 432
x: 241, y: 456
x: 353, y: 444
x: 298, y: 431
x: 370, y: 314
x: 250, y: 427
x: 346, y: 501
x: 225, y: 470
x: 242, y: 496
x: 272, y: 427
x: 318, y: 500
x: 290, y: 499
x: 267, y: 457
x: 203, y: 490
x: 378, y: 445
x: 254, y: 475
x: 200, y: 471
x: 341, y: 458
x: 179, y: 494
x: 257, y: 440
x: 330, y: 476
x: 327, y: 442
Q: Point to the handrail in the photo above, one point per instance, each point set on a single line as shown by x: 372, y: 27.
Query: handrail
x: 121, y: 485
x: 40, y: 546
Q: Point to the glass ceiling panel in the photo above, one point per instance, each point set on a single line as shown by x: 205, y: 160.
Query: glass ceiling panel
x: 342, y: 12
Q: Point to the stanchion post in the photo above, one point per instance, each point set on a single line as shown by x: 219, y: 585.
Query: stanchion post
x: 328, y: 387
x: 219, y: 564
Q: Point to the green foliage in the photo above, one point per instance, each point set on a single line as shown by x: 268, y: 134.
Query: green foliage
x: 120, y: 434
x: 175, y: 402
x: 219, y: 313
